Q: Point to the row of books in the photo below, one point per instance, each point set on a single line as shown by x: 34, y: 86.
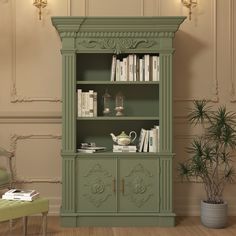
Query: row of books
x: 87, y: 103
x: 20, y: 195
x: 149, y: 140
x: 134, y: 68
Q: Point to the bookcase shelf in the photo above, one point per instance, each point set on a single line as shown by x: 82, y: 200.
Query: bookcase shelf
x: 113, y: 83
x: 109, y: 153
x: 109, y: 188
x: 104, y: 118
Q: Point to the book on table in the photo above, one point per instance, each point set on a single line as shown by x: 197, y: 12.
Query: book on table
x: 21, y: 195
x: 20, y: 192
x: 21, y: 198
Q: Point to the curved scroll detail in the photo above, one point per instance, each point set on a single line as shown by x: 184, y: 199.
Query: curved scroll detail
x: 118, y: 45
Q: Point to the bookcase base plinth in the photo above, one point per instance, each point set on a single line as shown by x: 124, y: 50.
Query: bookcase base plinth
x: 118, y: 220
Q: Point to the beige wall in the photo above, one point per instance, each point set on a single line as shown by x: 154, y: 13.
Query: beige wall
x: 30, y: 82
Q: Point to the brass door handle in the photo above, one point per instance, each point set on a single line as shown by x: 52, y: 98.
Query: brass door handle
x: 114, y: 185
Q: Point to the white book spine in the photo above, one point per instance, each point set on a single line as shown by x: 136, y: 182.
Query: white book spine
x: 79, y: 105
x: 141, y: 140
x: 154, y: 131
x: 141, y: 69
x: 121, y: 71
x: 151, y: 141
x: 95, y: 104
x: 135, y: 67
x: 157, y: 137
x: 131, y: 67
x: 158, y: 68
x: 145, y: 146
x: 90, y: 100
x: 125, y: 69
x: 154, y: 68
x: 117, y: 70
x: 83, y: 104
x: 113, y: 68
x: 146, y: 67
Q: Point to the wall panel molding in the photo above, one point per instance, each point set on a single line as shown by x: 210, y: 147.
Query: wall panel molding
x: 30, y: 118
x: 158, y: 7
x: 214, y: 97
x: 13, y: 147
x: 15, y: 96
x: 141, y: 7
x: 232, y: 51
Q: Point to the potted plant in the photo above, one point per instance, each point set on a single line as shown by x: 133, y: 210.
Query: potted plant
x: 210, y: 159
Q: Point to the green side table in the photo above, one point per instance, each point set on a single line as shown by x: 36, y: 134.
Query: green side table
x: 10, y: 210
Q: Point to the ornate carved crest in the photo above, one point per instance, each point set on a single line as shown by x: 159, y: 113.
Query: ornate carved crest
x: 116, y: 44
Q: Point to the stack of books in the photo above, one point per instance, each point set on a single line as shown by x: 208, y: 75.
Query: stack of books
x: 121, y: 148
x: 90, y: 148
x: 21, y: 195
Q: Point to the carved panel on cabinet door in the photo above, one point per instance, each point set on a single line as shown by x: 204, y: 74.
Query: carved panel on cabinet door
x: 97, y: 185
x: 139, y: 185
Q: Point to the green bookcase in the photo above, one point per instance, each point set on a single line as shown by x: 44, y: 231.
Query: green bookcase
x: 107, y: 188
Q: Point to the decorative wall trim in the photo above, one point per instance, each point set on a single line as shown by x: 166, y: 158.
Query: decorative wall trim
x: 141, y: 7
x: 86, y: 6
x: 38, y: 180
x: 13, y: 145
x: 214, y: 97
x: 69, y: 7
x: 158, y: 7
x: 15, y: 97
x: 30, y: 117
x: 232, y: 52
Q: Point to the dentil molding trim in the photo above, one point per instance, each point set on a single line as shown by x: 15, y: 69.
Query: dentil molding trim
x: 214, y: 97
x: 13, y: 146
x: 15, y: 96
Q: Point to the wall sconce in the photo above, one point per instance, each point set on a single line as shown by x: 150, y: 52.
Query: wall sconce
x: 190, y: 4
x: 40, y: 4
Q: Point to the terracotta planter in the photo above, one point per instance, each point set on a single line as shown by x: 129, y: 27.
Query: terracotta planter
x: 214, y: 215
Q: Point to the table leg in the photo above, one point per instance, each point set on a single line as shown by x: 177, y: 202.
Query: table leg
x: 25, y: 221
x: 44, y: 223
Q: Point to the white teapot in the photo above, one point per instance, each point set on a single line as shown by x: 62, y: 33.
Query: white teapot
x: 123, y: 138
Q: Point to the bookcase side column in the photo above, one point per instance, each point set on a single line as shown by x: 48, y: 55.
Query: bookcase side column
x: 166, y: 102
x: 166, y: 132
x: 68, y: 129
x: 68, y: 101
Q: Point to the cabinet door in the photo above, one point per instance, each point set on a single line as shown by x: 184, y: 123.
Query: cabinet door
x: 96, y: 185
x: 139, y: 185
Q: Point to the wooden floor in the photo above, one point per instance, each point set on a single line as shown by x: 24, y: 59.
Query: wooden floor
x: 185, y: 226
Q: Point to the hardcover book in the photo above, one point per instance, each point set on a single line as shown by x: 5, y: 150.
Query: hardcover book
x: 20, y: 192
